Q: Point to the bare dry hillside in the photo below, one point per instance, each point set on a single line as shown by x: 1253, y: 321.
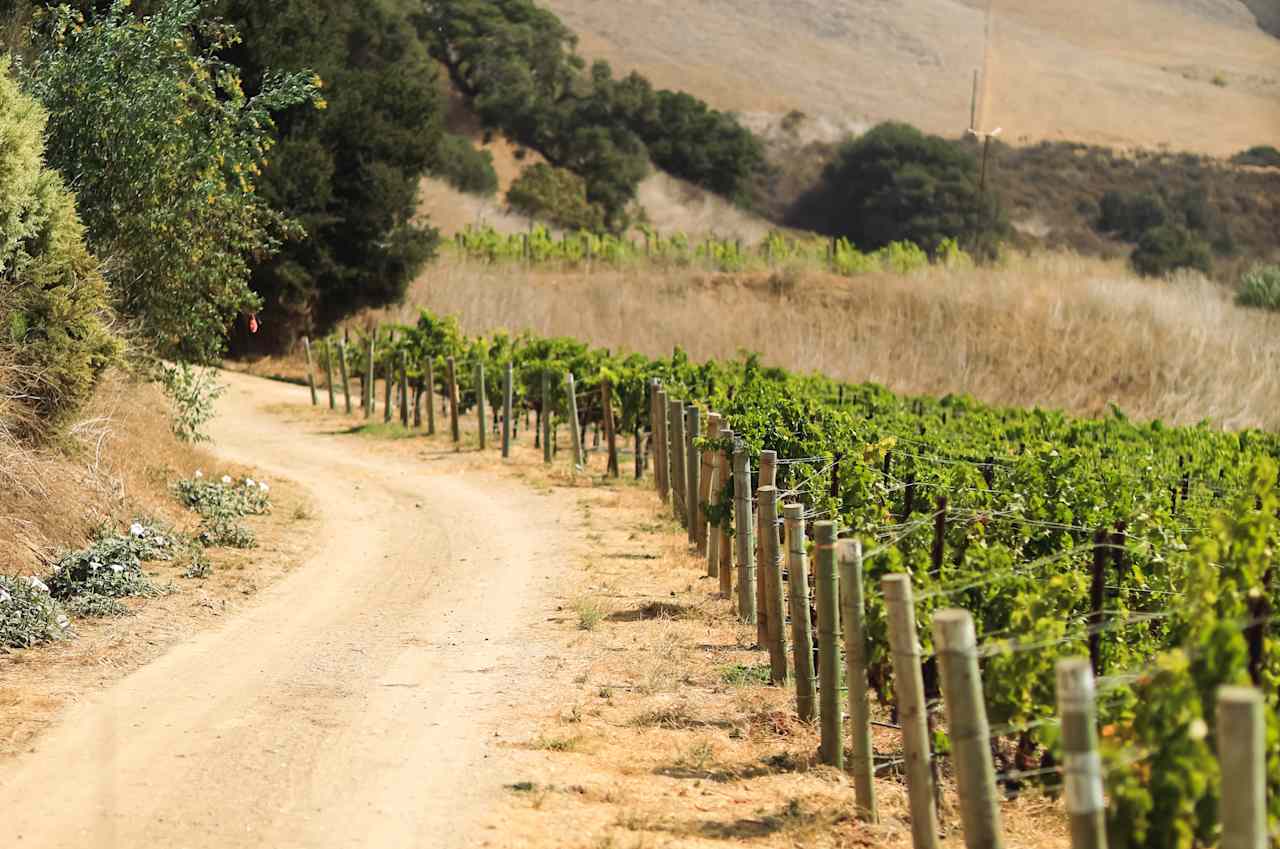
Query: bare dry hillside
x: 1199, y: 75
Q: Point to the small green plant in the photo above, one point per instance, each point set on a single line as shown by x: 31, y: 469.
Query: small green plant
x: 557, y: 744
x: 29, y: 615
x: 95, y: 606
x: 220, y: 503
x: 1260, y: 287
x: 1220, y: 80
x: 192, y: 393
x: 199, y: 566
x: 738, y: 675
x: 589, y: 613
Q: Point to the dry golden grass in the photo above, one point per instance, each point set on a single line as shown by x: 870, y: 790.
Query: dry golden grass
x: 1051, y: 330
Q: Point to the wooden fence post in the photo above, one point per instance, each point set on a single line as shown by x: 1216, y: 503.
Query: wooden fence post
x: 831, y: 710
x: 706, y: 493
x: 480, y: 400
x: 610, y: 427
x: 725, y: 568
x: 693, y: 472
x: 404, y: 389
x: 575, y: 432
x: 768, y: 477
x: 370, y: 377
x: 801, y: 626
x: 328, y: 373
x: 431, y: 396
x: 1082, y: 767
x: 311, y: 374
x: 1097, y: 597
x: 508, y: 381
x: 342, y: 364
x: 451, y: 375
x: 743, y: 525
x: 545, y: 415
x: 770, y: 564
x: 661, y: 461
x: 675, y: 431
x: 912, y: 710
x: 1242, y: 735
x: 390, y: 380
x: 861, y: 755
x: 957, y: 645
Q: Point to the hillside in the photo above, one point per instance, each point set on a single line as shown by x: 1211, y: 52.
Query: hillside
x: 1196, y: 75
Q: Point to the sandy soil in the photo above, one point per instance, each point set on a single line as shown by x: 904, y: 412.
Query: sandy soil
x: 354, y: 703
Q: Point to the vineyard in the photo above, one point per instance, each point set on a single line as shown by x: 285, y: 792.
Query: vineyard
x: 541, y: 247
x: 1146, y: 549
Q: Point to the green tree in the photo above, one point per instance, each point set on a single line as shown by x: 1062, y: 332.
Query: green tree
x: 555, y: 195
x: 1168, y: 247
x: 54, y: 336
x: 897, y: 184
x: 165, y: 147
x: 349, y: 174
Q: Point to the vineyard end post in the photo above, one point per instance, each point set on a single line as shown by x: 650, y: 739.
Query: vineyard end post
x: 725, y: 568
x: 480, y: 403
x: 675, y: 428
x: 342, y: 366
x: 744, y: 531
x: 771, y: 565
x: 830, y: 708
x: 862, y: 757
x: 1242, y: 754
x: 693, y: 472
x: 1082, y: 767
x: 575, y: 431
x: 311, y: 374
x: 328, y: 373
x: 801, y: 626
x: 508, y: 379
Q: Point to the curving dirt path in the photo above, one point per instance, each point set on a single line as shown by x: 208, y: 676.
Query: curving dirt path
x: 356, y: 703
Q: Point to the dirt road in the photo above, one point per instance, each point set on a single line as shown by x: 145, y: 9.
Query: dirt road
x: 362, y: 701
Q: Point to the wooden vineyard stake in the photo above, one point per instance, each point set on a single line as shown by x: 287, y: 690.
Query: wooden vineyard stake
x: 801, y: 626
x: 1097, y: 597
x: 575, y: 433
x: 431, y: 396
x: 417, y: 404
x: 912, y: 711
x: 610, y: 427
x: 957, y: 645
x: 693, y: 471
x: 830, y: 709
x: 771, y: 565
x: 328, y: 373
x: 768, y: 477
x: 342, y: 365
x: 658, y: 436
x: 545, y: 416
x: 861, y: 754
x: 404, y: 390
x: 311, y: 373
x: 939, y: 537
x: 451, y: 376
x: 508, y: 379
x: 369, y: 379
x: 744, y: 528
x: 1082, y: 767
x: 390, y: 380
x: 725, y: 568
x: 675, y: 433
x: 705, y: 483
x: 1242, y: 754
x: 480, y: 400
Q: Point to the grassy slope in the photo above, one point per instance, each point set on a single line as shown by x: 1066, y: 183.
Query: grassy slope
x: 1140, y: 73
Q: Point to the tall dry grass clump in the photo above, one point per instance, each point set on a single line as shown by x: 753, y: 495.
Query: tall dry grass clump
x: 1051, y: 330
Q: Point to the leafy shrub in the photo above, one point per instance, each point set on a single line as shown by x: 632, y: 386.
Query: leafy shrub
x: 1168, y: 247
x: 557, y: 196
x: 54, y: 309
x: 1260, y: 287
x: 896, y: 184
x: 1263, y: 155
x: 107, y: 567
x: 153, y: 126
x: 466, y: 168
x: 95, y: 606
x: 1130, y: 216
x: 29, y: 615
x: 219, y: 505
x: 192, y: 393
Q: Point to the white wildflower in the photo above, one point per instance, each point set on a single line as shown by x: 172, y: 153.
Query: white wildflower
x: 37, y: 584
x: 117, y: 568
x: 262, y: 485
x: 1197, y: 730
x: 226, y: 479
x: 199, y: 474
x: 137, y: 530
x: 249, y: 482
x: 63, y: 622
x: 4, y: 595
